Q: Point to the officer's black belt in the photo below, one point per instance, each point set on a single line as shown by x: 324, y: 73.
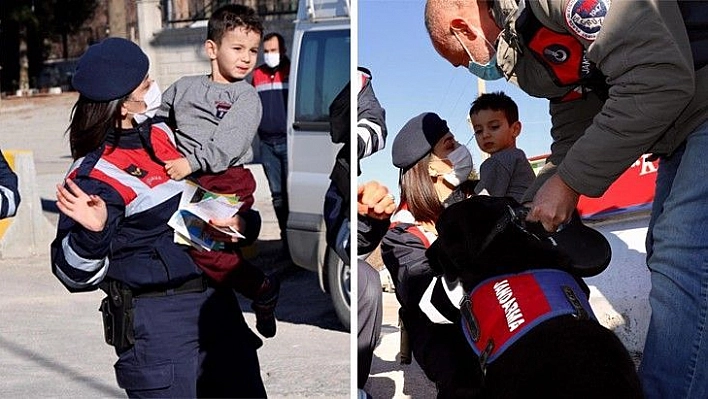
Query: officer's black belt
x: 198, y: 284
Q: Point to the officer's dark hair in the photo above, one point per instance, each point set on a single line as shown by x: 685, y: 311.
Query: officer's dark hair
x: 230, y: 17
x: 90, y: 123
x: 496, y: 101
x: 418, y: 193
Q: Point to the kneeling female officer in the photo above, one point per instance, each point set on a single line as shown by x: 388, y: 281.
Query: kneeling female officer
x: 174, y: 335
x: 434, y: 170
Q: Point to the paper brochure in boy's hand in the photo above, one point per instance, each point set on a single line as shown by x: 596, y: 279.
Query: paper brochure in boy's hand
x: 197, y: 207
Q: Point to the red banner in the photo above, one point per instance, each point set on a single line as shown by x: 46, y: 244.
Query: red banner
x: 633, y: 190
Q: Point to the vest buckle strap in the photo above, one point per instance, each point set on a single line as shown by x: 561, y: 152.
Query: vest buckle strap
x: 580, y: 312
x: 485, y: 355
x: 470, y: 321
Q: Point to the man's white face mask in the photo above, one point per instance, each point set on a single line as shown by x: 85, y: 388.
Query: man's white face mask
x: 272, y: 59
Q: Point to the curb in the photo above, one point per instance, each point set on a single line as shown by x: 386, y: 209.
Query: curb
x: 29, y: 232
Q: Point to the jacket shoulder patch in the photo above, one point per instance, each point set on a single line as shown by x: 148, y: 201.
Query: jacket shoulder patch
x: 585, y: 17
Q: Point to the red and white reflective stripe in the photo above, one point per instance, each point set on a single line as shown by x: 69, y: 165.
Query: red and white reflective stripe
x: 163, y: 142
x: 100, y: 266
x: 137, y: 195
x: 271, y: 86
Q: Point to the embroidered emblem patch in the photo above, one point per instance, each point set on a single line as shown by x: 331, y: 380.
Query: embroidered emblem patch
x: 584, y: 17
x: 135, y: 171
x: 222, y: 108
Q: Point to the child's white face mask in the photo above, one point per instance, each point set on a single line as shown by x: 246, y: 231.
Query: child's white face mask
x: 152, y: 100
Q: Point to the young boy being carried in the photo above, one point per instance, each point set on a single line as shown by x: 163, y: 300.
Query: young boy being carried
x: 495, y: 121
x: 216, y: 118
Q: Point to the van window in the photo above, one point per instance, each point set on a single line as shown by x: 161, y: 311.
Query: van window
x: 323, y: 71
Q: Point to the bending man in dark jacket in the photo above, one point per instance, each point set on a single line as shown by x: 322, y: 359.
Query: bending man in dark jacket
x: 623, y: 78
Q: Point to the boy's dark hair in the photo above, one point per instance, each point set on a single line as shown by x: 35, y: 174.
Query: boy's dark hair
x: 232, y: 16
x: 496, y: 101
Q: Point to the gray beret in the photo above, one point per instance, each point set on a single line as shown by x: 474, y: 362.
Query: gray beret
x: 417, y: 138
x: 110, y: 69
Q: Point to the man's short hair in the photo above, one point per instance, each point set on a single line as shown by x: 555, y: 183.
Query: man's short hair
x: 279, y: 37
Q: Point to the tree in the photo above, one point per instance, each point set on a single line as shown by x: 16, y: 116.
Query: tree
x: 27, y: 25
x: 65, y: 17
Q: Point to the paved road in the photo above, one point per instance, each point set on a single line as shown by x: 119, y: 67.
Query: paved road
x: 51, y: 341
x: 389, y: 378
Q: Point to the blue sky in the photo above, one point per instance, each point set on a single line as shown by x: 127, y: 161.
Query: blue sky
x: 409, y: 78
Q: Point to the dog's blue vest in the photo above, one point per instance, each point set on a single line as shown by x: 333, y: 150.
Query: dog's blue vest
x: 502, y: 309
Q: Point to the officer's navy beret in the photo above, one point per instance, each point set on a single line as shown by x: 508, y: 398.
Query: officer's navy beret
x: 110, y: 69
x: 417, y: 138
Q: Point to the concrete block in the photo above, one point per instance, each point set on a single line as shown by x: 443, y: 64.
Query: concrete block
x: 29, y: 232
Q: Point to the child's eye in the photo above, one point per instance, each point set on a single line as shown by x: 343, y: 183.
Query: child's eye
x: 478, y: 131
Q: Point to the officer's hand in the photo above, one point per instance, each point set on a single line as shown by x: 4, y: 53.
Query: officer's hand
x: 553, y: 204
x: 374, y: 200
x: 178, y: 168
x: 88, y: 210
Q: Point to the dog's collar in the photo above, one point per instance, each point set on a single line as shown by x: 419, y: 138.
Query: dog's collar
x: 502, y: 309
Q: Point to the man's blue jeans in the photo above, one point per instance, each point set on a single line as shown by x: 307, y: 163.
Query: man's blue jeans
x: 675, y: 362
x: 274, y: 157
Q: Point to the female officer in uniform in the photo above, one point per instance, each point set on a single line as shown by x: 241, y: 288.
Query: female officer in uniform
x: 433, y: 167
x: 174, y: 335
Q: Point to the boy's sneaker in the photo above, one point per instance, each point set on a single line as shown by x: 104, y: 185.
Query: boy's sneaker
x: 264, y: 306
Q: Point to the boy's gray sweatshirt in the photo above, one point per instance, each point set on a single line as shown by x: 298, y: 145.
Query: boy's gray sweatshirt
x: 215, y: 122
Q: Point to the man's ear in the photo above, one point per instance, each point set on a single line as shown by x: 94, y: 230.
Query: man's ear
x: 460, y: 26
x: 211, y: 48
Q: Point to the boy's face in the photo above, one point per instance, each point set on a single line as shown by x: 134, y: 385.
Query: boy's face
x: 235, y: 56
x: 493, y: 132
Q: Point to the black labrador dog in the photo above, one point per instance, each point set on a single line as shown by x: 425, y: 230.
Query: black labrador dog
x: 525, y: 311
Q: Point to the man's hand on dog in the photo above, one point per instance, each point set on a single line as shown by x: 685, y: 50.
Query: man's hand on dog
x: 374, y: 201
x: 553, y: 204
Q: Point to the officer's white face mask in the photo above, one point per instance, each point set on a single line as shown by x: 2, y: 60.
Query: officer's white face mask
x: 152, y: 100
x: 272, y: 59
x: 461, y: 160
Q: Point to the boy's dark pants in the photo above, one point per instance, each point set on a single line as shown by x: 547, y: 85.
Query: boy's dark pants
x: 228, y: 267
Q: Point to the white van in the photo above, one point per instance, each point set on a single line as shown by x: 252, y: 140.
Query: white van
x: 320, y: 68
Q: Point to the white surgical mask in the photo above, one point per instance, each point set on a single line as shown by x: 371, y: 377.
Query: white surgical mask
x: 272, y: 59
x: 152, y: 100
x: 461, y: 160
x: 461, y: 166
